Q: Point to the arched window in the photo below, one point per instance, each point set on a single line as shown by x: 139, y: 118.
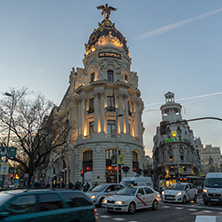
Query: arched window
x: 110, y: 76
x: 87, y: 160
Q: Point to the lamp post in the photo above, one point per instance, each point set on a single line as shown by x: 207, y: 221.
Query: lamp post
x: 9, y: 131
x: 117, y: 150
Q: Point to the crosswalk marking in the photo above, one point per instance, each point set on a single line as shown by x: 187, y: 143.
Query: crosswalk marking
x: 178, y: 208
x: 105, y: 216
x: 118, y: 219
x: 206, y: 219
x: 191, y: 209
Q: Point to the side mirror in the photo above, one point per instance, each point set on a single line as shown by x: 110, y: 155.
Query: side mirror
x: 4, y: 214
x: 108, y: 190
x: 139, y: 194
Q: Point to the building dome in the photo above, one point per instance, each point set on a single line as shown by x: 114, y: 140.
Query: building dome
x: 106, y: 33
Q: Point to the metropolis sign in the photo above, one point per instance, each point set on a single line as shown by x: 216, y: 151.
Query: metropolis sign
x: 109, y: 54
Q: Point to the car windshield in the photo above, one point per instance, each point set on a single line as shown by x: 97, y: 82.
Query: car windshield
x: 176, y: 186
x: 127, y: 191
x: 4, y: 197
x: 213, y: 182
x: 99, y: 188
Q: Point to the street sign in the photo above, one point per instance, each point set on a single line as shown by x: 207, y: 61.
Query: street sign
x: 121, y: 159
x: 181, y: 170
x: 2, y: 151
x: 4, y: 168
x: 11, y: 152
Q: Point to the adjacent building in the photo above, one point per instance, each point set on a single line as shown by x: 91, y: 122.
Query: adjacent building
x: 174, y: 152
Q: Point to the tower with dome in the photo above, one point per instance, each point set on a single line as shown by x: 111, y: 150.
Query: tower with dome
x: 103, y: 86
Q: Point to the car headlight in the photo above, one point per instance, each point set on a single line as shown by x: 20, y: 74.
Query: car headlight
x: 179, y: 194
x: 158, y: 195
x: 163, y: 193
x: 119, y: 202
x: 93, y: 197
x: 104, y: 201
x: 205, y: 190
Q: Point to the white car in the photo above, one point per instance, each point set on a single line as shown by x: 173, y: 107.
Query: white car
x: 180, y: 192
x: 131, y: 198
x: 98, y: 193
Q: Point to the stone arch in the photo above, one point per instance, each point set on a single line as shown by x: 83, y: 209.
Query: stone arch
x: 92, y: 69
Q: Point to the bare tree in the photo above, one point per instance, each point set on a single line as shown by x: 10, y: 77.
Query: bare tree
x: 34, y: 131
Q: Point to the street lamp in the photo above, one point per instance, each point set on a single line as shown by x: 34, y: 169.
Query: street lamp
x: 117, y: 150
x: 9, y: 130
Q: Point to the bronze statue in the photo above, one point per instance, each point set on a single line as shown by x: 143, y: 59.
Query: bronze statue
x: 106, y: 10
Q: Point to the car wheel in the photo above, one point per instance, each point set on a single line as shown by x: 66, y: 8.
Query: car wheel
x: 100, y: 201
x: 184, y: 200
x: 132, y: 208
x: 155, y: 205
x: 195, y: 198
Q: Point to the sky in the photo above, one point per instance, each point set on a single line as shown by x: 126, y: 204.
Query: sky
x: 175, y: 45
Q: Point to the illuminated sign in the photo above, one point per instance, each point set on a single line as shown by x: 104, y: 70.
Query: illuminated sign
x: 109, y: 54
x: 168, y: 140
x: 174, y: 133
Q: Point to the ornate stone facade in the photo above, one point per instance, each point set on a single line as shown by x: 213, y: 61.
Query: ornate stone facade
x: 174, y: 153
x: 95, y: 92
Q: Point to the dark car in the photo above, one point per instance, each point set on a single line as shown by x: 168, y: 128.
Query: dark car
x: 46, y: 205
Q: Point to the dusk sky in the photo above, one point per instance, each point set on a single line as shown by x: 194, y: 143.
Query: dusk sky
x: 175, y: 45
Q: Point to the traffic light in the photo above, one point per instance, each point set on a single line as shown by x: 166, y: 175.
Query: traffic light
x: 11, y: 176
x: 163, y: 127
x: 82, y: 173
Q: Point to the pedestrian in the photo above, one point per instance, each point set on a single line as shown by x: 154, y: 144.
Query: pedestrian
x: 70, y: 185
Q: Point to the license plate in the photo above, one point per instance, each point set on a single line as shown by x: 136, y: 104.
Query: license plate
x: 214, y: 200
x: 169, y: 198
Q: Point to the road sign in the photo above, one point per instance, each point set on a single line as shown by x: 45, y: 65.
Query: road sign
x: 181, y: 170
x: 4, y: 168
x: 11, y: 152
x: 121, y: 159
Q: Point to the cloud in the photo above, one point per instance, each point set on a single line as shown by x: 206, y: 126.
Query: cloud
x: 167, y: 28
x: 188, y: 98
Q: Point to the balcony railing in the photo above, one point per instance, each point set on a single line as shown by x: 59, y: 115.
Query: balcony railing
x: 110, y: 108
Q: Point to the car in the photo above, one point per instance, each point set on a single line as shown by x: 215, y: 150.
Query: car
x: 46, y: 205
x: 98, y: 193
x: 180, y: 192
x: 132, y: 198
x: 212, y: 190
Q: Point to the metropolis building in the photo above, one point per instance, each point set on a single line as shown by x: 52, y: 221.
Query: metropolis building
x: 105, y: 84
x: 174, y: 153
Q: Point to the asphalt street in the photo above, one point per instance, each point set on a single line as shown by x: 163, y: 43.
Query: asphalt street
x: 173, y: 212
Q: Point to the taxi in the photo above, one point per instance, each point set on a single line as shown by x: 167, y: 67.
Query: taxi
x: 180, y: 192
x: 132, y: 198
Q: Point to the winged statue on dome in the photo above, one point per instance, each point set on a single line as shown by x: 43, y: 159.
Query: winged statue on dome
x: 106, y: 10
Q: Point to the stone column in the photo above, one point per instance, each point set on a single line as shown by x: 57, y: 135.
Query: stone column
x: 96, y: 110
x: 102, y: 112
x: 136, y: 119
x: 126, y: 114
x: 82, y: 117
x: 79, y: 118
x: 121, y: 112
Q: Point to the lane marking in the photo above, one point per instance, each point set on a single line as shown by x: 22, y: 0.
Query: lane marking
x: 165, y: 206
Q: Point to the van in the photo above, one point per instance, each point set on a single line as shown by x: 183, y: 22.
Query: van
x: 212, y: 190
x: 137, y: 181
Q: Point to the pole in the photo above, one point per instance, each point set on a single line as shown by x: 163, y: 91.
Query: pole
x: 9, y: 131
x: 117, y: 150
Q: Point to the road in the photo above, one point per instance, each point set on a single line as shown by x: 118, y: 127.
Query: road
x: 173, y: 212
